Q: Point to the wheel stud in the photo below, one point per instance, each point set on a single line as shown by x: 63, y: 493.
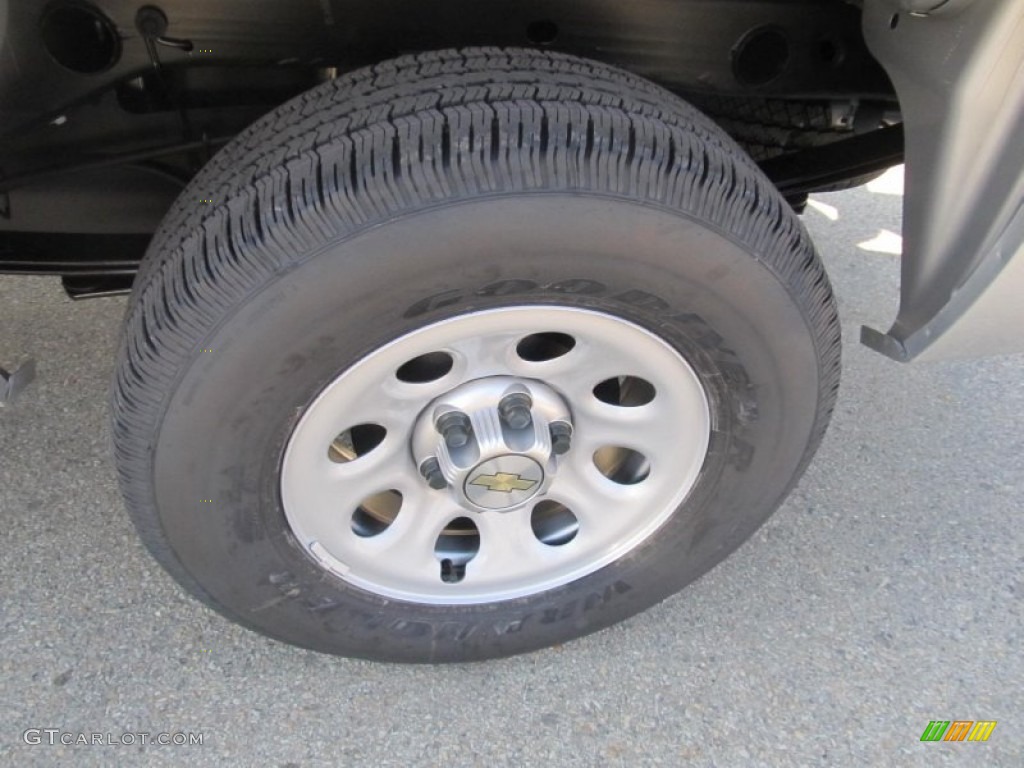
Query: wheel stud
x: 561, y: 437
x: 514, y: 410
x: 454, y: 427
x: 431, y: 472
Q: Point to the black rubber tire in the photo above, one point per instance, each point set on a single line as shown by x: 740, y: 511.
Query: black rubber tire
x: 767, y: 128
x: 421, y: 189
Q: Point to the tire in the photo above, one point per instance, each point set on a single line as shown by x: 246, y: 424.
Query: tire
x: 767, y: 128
x: 474, y: 214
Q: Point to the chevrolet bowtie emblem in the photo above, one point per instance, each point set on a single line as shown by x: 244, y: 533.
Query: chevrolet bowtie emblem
x: 503, y: 482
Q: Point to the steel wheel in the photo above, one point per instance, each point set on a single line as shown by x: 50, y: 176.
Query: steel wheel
x: 514, y: 514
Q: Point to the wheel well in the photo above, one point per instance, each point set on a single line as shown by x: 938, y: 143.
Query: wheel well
x: 151, y: 94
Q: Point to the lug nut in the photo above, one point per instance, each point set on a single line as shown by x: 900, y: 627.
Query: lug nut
x: 514, y: 410
x: 561, y: 437
x: 431, y: 472
x: 454, y: 428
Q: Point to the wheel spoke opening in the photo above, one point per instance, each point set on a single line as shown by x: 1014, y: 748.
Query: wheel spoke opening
x: 625, y: 391
x: 376, y: 513
x: 553, y: 523
x: 425, y: 368
x: 457, y: 544
x: 541, y: 347
x: 355, y: 442
x: 622, y: 465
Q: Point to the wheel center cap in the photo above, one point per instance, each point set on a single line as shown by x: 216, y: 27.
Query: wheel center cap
x: 493, y: 443
x: 504, y: 482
